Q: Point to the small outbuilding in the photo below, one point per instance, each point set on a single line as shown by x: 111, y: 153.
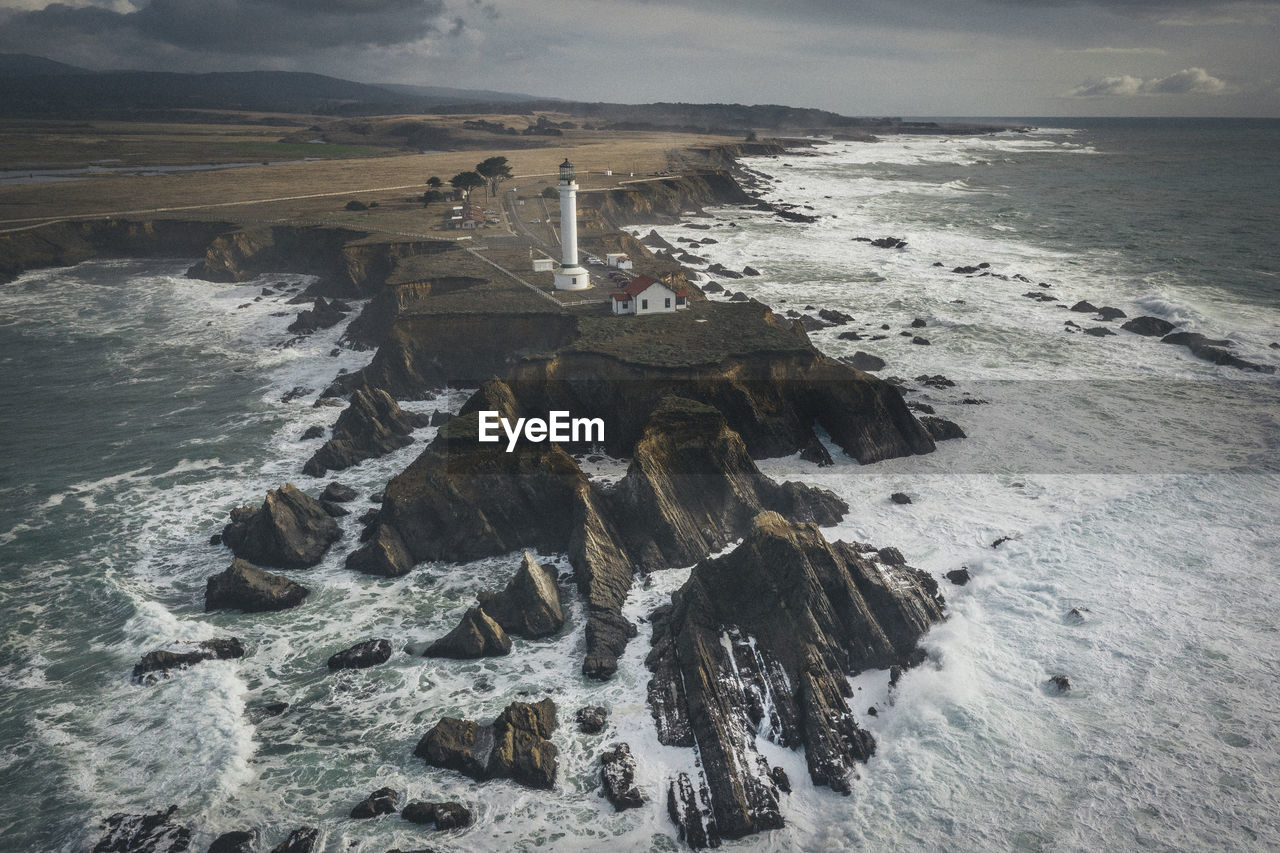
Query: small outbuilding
x: 645, y: 295
x: 618, y: 260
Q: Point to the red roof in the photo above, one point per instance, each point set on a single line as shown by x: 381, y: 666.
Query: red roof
x: 639, y: 285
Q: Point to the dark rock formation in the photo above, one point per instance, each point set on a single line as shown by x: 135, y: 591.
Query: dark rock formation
x: 238, y: 841
x: 362, y: 655
x: 834, y: 317
x: 529, y: 607
x: 654, y: 241
x: 321, y: 316
x: 371, y: 426
x: 338, y: 493
x: 618, y: 775
x: 816, y: 452
x: 900, y: 498
x: 384, y: 554
x: 476, y: 636
x: 850, y: 336
x: 248, y: 588
x: 380, y: 802
x: 813, y: 324
x: 1099, y: 331
x: 591, y: 719
x: 924, y: 342
x: 1059, y: 683
x: 1085, y: 307
x: 1211, y: 349
x: 162, y: 660
x: 335, y: 510
x: 443, y: 815
x: 311, y: 432
x: 867, y: 362
x: 959, y: 576
x: 149, y: 833
x: 775, y: 626
x: 723, y: 271
x: 748, y: 270
x: 886, y: 242
x: 289, y: 531
x: 918, y: 323
x: 440, y: 418
x: 1076, y: 616
x: 1148, y: 326
x: 942, y: 429
x: 301, y: 840
x: 515, y: 746
x: 1106, y: 312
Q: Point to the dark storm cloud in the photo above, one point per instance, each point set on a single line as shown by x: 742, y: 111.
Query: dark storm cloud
x: 252, y: 27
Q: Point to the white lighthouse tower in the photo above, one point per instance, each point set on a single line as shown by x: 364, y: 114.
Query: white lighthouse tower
x: 569, y: 276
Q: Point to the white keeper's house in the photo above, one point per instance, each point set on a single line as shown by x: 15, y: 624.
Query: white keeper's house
x: 645, y: 295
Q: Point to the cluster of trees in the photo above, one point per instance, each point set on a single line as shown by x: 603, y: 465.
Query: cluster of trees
x: 488, y: 173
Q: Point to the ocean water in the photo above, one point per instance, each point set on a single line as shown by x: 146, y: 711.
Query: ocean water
x: 1135, y: 481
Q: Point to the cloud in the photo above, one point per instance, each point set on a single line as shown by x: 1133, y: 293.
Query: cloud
x: 1189, y: 81
x: 243, y: 27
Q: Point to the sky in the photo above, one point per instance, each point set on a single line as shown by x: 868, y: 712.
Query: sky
x: 857, y: 57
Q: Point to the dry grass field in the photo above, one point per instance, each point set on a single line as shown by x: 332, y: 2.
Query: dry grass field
x: 314, y: 191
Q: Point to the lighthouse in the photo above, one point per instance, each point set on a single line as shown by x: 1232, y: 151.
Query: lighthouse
x: 569, y: 276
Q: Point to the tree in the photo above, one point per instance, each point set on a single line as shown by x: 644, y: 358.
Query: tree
x: 434, y: 182
x: 550, y: 192
x: 466, y: 182
x: 432, y: 195
x: 495, y: 170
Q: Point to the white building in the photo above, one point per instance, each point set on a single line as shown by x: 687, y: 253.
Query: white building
x: 645, y: 295
x: 571, y: 275
x: 618, y: 260
x: 543, y: 264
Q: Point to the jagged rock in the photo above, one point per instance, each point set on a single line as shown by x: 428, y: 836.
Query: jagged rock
x: 440, y: 418
x: 924, y: 342
x: 1085, y: 307
x: 162, y: 660
x: 900, y: 498
x: 321, y: 316
x: 248, y: 588
x: 816, y: 452
x: 238, y: 841
x: 937, y: 380
x: 965, y: 270
x: 1211, y: 349
x: 723, y: 271
x: 1076, y: 615
x: 443, y: 815
x: 917, y: 323
x: 867, y: 362
x: 334, y: 510
x: 149, y: 833
x: 786, y: 616
x: 739, y: 296
x: 687, y: 258
x: 891, y: 557
x: 338, y: 493
x: 515, y: 746
x: 654, y: 241
x: 362, y: 655
x: 301, y: 840
x: 529, y: 607
x: 813, y: 324
x: 747, y: 270
x: 1059, y: 683
x: 1108, y: 313
x: 691, y: 813
x: 372, y: 425
x: 316, y: 431
x: 380, y: 802
x: 835, y: 318
x: 1099, y: 331
x: 713, y: 287
x: 289, y: 531
x: 942, y: 429
x: 1148, y: 326
x: 384, y: 553
x: 888, y: 243
x: 618, y: 775
x: 923, y: 408
x: 850, y: 336
x: 591, y: 719
x: 476, y: 636
x: 998, y: 542
x: 959, y: 576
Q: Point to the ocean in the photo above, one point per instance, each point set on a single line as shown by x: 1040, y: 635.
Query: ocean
x: 1137, y: 484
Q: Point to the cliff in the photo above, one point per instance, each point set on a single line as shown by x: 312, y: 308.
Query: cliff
x: 759, y: 643
x: 662, y: 199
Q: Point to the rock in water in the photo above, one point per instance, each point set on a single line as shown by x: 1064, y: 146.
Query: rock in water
x: 866, y: 362
x: 1148, y: 326
x: 335, y: 492
x: 362, y: 655
x: 1085, y: 307
x: 941, y: 429
x: 372, y: 425
x: 380, y: 802
x: 591, y: 719
x: 289, y: 531
x: 321, y: 316
x: 515, y: 746
x: 150, y: 833
x: 816, y: 452
x: 161, y: 661
x: 786, y: 616
x: 900, y: 498
x: 301, y: 840
x: 385, y: 553
x: 1106, y: 312
x: 1059, y: 683
x: 238, y: 841
x: 443, y: 815
x: 618, y: 774
x: 248, y: 588
x: 476, y: 636
x: 529, y: 607
x: 959, y: 576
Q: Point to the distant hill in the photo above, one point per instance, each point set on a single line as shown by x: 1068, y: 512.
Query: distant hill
x: 38, y: 87
x: 26, y: 65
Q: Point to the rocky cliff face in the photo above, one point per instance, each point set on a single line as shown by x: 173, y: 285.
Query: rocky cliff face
x: 371, y: 426
x: 759, y: 643
x: 662, y: 199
